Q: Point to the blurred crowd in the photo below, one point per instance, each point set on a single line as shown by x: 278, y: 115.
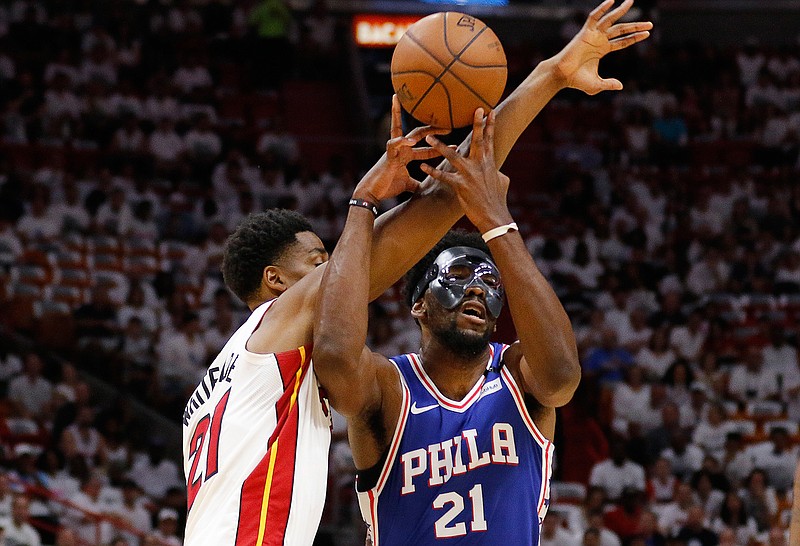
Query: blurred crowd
x: 135, y: 136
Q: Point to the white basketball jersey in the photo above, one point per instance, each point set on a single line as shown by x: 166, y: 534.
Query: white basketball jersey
x: 256, y: 433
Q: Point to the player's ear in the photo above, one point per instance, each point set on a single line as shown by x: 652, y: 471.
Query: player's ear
x: 418, y: 310
x: 273, y: 280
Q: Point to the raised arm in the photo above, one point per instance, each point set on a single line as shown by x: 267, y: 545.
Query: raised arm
x: 546, y: 358
x: 343, y: 364
x: 403, y: 235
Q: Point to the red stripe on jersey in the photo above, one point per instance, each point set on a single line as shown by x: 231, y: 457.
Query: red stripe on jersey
x: 280, y: 495
x: 288, y: 364
x: 267, y: 492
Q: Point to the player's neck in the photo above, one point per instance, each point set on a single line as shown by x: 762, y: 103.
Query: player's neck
x: 454, y: 375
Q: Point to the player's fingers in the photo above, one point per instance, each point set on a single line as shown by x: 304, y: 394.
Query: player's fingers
x: 421, y: 132
x: 629, y: 40
x: 445, y: 151
x: 488, y: 133
x: 597, y: 13
x: 412, y: 185
x: 421, y: 154
x: 628, y: 28
x: 610, y: 84
x: 478, y: 123
x: 451, y: 179
x: 614, y: 15
x: 396, y: 130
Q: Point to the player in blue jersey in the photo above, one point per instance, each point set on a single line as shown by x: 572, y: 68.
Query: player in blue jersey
x: 454, y: 442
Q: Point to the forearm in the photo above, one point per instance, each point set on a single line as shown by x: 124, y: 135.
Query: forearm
x: 405, y: 233
x: 520, y: 108
x: 543, y: 327
x: 343, y: 302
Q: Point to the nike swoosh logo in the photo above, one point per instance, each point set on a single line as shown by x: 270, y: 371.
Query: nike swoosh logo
x: 416, y: 411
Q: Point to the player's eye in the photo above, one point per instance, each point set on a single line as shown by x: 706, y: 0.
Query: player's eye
x: 490, y: 281
x: 458, y: 273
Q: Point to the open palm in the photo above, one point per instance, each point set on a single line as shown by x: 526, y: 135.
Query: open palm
x: 578, y: 62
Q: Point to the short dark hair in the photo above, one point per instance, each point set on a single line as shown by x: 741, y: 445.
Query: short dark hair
x: 456, y: 237
x: 259, y: 241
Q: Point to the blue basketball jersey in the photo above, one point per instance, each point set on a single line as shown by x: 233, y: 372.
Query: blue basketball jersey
x: 470, y: 472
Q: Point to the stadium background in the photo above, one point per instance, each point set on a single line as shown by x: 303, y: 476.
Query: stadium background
x: 135, y: 134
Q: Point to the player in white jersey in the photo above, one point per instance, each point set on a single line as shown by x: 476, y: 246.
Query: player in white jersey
x: 256, y: 429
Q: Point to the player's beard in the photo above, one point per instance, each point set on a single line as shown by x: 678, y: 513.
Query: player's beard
x: 463, y: 343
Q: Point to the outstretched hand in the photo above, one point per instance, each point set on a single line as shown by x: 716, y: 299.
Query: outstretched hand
x: 389, y: 177
x: 480, y: 187
x: 577, y: 64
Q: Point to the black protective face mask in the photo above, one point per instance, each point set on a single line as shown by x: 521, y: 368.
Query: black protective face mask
x: 456, y: 270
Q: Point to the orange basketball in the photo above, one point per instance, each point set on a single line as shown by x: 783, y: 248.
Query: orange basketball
x: 445, y: 66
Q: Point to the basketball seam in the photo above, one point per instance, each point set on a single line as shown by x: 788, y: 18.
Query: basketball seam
x: 404, y: 72
x: 446, y: 67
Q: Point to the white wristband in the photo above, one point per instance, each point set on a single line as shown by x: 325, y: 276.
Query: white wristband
x: 499, y: 230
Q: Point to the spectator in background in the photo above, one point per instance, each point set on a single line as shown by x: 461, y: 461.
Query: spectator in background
x: 617, y: 472
x: 153, y: 472
x: 221, y: 324
x: 685, y: 458
x: 181, y: 356
x: 778, y: 461
x: 89, y: 510
x: 166, y: 146
x: 631, y: 401
x: 17, y: 529
x: 687, y: 340
x: 750, y: 381
x: 6, y: 498
x: 83, y: 438
x: 678, y: 379
x: 192, y: 74
x: 132, y: 512
x: 659, y: 438
x: 553, y: 531
x: 709, y: 275
x: 673, y: 515
x: 779, y: 356
x: 39, y: 224
x: 31, y: 392
x: 114, y: 216
x: 96, y: 322
x: 733, y: 516
x: 662, y: 482
x: 709, y: 498
x: 607, y: 361
x: 695, y: 530
x: 648, y: 532
x: 135, y: 307
x: 711, y: 433
x: 73, y: 216
x: 623, y: 520
x: 760, y: 500
x: 167, y: 527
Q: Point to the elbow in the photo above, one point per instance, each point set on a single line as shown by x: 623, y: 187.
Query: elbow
x: 563, y: 387
x: 329, y: 352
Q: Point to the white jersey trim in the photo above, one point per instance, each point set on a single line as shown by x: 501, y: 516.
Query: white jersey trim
x: 368, y: 500
x: 459, y: 407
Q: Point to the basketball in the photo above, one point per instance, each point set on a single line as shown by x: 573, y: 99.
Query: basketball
x: 445, y: 66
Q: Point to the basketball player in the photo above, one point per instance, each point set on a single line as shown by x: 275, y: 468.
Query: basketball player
x: 456, y: 439
x: 256, y: 429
